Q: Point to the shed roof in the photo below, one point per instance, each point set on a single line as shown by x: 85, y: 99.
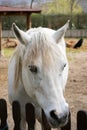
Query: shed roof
x: 7, y: 10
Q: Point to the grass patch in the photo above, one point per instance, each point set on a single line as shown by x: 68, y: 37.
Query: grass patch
x: 7, y: 52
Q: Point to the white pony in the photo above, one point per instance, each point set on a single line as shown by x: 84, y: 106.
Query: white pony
x: 38, y: 72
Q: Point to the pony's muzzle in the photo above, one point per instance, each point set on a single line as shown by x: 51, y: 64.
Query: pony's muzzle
x: 58, y: 120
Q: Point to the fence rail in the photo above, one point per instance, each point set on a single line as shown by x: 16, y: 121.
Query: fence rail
x: 70, y: 33
x: 81, y: 33
x: 30, y: 117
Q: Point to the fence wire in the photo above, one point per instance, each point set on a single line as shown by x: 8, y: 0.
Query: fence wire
x: 51, y: 21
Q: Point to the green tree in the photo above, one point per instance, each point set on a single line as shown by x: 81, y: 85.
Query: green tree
x: 62, y: 7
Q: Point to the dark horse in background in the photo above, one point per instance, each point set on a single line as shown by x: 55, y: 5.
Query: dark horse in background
x: 76, y: 45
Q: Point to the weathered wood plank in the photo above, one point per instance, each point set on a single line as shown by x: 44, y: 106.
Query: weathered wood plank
x: 3, y: 115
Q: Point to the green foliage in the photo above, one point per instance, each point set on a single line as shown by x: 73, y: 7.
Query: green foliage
x: 56, y: 21
x: 50, y: 20
x: 62, y: 7
x: 37, y: 19
x: 8, y: 20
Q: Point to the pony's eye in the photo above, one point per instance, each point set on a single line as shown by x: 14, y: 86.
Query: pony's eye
x: 33, y: 68
x: 64, y: 65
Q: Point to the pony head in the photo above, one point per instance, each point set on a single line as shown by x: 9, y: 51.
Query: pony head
x: 45, y: 70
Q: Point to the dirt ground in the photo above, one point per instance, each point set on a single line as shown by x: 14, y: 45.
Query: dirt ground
x: 76, y: 89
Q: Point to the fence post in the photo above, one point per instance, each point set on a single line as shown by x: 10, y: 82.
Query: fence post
x: 82, y: 120
x: 16, y: 115
x: 68, y: 125
x: 45, y: 125
x: 30, y: 116
x: 3, y: 115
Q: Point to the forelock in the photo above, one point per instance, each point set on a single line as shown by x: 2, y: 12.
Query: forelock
x: 41, y: 44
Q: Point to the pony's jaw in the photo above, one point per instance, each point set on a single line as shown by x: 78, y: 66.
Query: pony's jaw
x: 50, y: 103
x: 62, y: 115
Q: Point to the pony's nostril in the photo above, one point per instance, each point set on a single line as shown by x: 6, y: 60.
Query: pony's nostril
x: 58, y: 117
x: 54, y: 115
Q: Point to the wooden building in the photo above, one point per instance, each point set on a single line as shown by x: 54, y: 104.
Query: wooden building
x: 12, y: 11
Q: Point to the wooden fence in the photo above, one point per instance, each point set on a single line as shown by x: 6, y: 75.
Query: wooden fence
x: 30, y: 118
x: 81, y: 33
x: 76, y: 33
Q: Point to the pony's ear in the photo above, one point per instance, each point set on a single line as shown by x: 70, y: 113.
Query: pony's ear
x: 61, y: 32
x: 20, y: 35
